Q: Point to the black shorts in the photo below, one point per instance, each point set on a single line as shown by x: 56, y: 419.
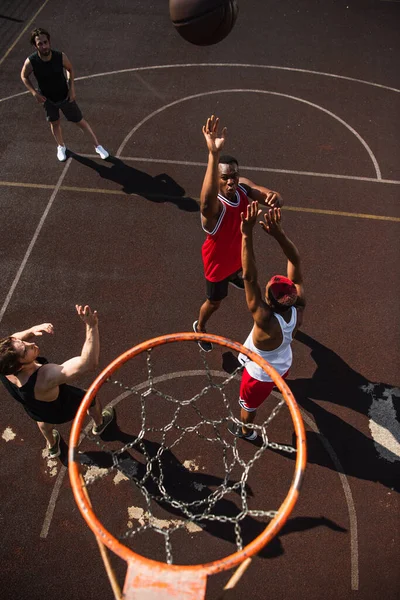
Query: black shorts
x: 218, y: 290
x: 70, y: 110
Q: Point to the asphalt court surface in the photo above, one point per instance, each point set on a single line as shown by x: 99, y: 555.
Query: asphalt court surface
x: 124, y: 236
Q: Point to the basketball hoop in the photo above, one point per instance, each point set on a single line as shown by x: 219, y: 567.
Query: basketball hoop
x: 149, y: 579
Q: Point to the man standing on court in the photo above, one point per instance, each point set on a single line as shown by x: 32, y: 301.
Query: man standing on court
x: 277, y: 316
x: 56, y: 92
x: 43, y: 388
x: 224, y: 196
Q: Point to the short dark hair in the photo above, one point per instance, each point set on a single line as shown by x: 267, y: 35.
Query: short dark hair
x: 227, y: 159
x: 9, y: 357
x: 36, y: 32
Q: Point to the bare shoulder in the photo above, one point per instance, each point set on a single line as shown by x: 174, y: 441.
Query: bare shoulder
x: 47, y: 376
x: 209, y: 218
x: 27, y: 67
x: 66, y: 61
x: 263, y: 318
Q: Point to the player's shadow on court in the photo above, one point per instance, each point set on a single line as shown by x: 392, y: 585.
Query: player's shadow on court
x: 185, y: 486
x: 336, y: 382
x: 160, y: 188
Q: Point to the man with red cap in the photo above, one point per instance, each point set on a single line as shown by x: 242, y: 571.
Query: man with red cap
x: 277, y: 316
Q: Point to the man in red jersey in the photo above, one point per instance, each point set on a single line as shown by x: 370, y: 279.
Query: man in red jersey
x: 224, y: 196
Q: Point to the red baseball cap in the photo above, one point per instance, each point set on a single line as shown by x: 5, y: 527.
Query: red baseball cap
x: 282, y: 290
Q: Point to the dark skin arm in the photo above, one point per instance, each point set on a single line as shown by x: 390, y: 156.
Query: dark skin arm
x: 272, y: 225
x: 210, y: 206
x: 261, y: 194
x: 255, y: 302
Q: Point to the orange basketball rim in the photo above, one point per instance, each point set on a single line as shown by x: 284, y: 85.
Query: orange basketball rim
x: 152, y: 580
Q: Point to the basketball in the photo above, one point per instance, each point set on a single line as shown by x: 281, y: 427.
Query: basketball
x: 203, y: 22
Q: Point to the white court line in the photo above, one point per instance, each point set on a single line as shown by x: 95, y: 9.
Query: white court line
x: 23, y: 31
x: 52, y: 503
x: 351, y: 509
x: 188, y: 163
x: 201, y: 373
x: 226, y: 65
x: 253, y: 91
x: 33, y: 240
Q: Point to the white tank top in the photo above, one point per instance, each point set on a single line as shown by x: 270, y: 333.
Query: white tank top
x: 280, y: 359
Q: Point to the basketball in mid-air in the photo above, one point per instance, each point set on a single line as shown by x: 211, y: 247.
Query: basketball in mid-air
x: 203, y: 22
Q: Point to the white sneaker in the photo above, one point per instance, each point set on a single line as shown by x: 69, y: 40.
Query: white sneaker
x: 61, y: 153
x: 102, y: 152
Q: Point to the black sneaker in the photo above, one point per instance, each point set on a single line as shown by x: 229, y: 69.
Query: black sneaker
x: 236, y: 430
x: 54, y: 451
x: 205, y: 346
x: 108, y: 415
x: 237, y: 282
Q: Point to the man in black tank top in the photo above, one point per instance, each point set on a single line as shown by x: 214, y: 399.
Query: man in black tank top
x: 44, y: 388
x: 55, y: 91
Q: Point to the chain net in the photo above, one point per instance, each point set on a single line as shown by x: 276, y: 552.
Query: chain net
x: 164, y: 423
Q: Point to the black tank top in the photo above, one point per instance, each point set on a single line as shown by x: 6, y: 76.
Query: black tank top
x: 60, y: 410
x: 50, y: 76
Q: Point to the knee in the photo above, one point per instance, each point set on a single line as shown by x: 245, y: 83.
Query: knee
x: 214, y: 303
x: 44, y: 427
x: 54, y: 124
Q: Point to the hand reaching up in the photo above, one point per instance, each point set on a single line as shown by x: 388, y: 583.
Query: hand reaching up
x: 214, y: 140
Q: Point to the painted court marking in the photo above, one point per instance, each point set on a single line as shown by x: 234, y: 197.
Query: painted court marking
x: 27, y: 26
x: 288, y: 207
x: 221, y: 374
x: 254, y: 91
x: 344, y: 482
x: 33, y: 240
x: 224, y: 65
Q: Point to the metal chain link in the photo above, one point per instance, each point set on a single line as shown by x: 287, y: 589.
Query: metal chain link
x: 206, y: 505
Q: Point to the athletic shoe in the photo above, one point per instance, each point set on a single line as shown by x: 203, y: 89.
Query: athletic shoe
x: 205, y: 346
x: 237, y: 282
x: 236, y: 430
x: 102, y: 152
x: 55, y: 450
x: 108, y: 415
x: 61, y: 153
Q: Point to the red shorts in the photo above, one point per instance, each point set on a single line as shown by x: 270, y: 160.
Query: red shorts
x: 253, y: 392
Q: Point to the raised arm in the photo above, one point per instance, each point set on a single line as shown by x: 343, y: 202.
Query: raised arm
x: 53, y: 375
x: 261, y: 194
x: 209, y: 203
x: 25, y: 76
x: 35, y: 331
x: 272, y: 225
x: 252, y: 289
x: 71, y: 76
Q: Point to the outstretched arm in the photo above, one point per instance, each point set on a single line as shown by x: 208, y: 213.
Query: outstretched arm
x: 272, y: 225
x: 209, y: 203
x: 71, y: 76
x: 34, y: 331
x: 251, y: 286
x: 261, y: 194
x: 53, y: 375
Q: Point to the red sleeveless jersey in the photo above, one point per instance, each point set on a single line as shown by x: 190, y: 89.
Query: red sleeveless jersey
x: 222, y: 248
